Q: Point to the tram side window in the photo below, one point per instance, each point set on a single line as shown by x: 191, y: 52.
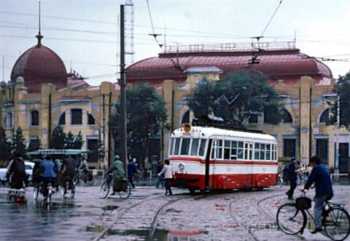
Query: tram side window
x: 274, y: 154
x: 268, y: 151
x: 233, y: 150
x: 262, y: 151
x: 202, y: 147
x: 216, y: 150
x: 194, y: 147
x: 185, y: 146
x: 240, y: 153
x: 257, y: 151
x: 250, y: 151
x: 246, y: 150
x: 177, y: 146
x: 171, y: 146
x: 227, y: 149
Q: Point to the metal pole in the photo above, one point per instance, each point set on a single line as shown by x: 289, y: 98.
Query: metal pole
x: 109, y: 144
x: 49, y: 121
x: 336, y: 137
x: 122, y: 83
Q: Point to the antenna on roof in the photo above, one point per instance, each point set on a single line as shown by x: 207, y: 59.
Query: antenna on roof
x: 39, y: 36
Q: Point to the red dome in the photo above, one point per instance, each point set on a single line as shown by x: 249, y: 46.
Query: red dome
x: 39, y: 65
x: 287, y: 64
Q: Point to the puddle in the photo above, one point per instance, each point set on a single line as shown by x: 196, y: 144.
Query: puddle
x: 110, y: 207
x: 162, y: 234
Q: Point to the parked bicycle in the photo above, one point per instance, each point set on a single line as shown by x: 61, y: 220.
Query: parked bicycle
x: 292, y: 218
x: 122, y: 188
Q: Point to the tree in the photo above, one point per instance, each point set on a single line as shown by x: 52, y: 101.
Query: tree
x: 146, y: 115
x: 18, y: 147
x: 235, y: 98
x: 78, y: 141
x: 69, y: 141
x: 58, y: 138
x: 343, y: 91
x: 5, y: 150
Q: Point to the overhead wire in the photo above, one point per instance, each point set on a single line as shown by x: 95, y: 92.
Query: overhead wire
x: 153, y: 34
x: 271, y: 18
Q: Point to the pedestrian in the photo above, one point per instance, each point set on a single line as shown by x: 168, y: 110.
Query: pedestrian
x: 168, y: 175
x: 292, y: 178
x: 16, y: 173
x: 118, y: 175
x: 67, y: 173
x: 323, y: 187
x: 160, y: 178
x: 132, y: 169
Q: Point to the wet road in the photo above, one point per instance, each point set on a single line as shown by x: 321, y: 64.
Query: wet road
x: 65, y: 220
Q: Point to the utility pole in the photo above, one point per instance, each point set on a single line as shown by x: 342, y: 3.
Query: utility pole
x: 49, y: 127
x: 122, y: 84
x: 109, y: 129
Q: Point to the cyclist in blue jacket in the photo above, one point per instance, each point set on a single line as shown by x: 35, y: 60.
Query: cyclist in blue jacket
x: 323, y: 185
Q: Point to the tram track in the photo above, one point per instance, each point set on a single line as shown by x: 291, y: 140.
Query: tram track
x: 122, y: 211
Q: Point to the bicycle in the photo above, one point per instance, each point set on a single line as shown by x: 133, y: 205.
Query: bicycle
x: 123, y: 188
x: 292, y: 218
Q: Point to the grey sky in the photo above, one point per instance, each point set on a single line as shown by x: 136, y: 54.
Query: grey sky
x: 90, y: 44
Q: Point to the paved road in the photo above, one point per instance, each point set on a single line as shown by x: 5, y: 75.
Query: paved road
x: 65, y: 220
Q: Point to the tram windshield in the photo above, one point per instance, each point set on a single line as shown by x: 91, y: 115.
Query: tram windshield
x: 186, y: 146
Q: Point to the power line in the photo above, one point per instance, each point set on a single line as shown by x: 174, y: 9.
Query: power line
x: 271, y: 18
x: 153, y: 34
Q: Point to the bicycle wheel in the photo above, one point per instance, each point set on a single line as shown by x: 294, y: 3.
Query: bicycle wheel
x: 105, y: 189
x: 125, y: 193
x: 337, y: 224
x: 290, y: 219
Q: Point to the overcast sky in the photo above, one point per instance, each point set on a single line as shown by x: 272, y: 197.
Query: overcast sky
x: 84, y: 32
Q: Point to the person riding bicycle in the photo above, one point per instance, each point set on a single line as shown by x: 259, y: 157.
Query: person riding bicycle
x: 118, y: 172
x: 320, y: 177
x: 49, y: 171
x: 67, y: 173
x: 16, y: 173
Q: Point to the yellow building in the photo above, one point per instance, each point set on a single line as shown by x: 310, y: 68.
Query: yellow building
x: 42, y: 95
x: 305, y: 86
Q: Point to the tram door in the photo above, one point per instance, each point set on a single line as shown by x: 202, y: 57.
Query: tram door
x: 207, y: 165
x: 248, y: 146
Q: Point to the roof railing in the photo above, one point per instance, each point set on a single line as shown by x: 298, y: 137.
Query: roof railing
x: 229, y: 47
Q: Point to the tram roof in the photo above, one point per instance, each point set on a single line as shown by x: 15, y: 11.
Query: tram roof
x: 207, y: 132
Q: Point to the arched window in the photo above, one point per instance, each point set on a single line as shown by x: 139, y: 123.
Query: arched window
x: 91, y: 119
x: 34, y: 118
x: 286, y: 116
x: 328, y: 117
x: 186, y: 117
x: 76, y: 116
x: 62, y: 120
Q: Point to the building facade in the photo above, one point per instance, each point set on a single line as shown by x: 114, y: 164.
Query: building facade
x: 304, y: 84
x: 41, y: 95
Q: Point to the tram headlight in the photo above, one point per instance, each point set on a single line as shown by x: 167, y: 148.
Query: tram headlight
x: 181, y: 167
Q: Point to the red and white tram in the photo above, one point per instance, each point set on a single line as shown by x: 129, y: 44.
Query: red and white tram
x: 212, y: 158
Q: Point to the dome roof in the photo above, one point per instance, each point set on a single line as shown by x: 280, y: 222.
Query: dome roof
x: 39, y: 65
x: 287, y: 64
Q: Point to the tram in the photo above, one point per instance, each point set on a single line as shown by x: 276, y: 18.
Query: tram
x: 209, y: 158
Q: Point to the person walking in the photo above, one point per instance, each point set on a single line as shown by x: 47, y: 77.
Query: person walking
x: 324, y: 191
x: 168, y: 175
x: 67, y: 173
x: 16, y: 173
x: 160, y: 179
x: 132, y: 169
x: 292, y: 178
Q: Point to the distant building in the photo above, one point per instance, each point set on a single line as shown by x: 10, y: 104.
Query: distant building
x: 42, y: 95
x: 305, y: 85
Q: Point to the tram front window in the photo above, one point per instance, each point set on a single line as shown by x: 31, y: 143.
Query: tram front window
x: 185, y: 146
x: 202, y: 147
x: 194, y: 146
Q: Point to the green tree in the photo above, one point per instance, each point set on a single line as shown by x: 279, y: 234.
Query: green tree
x: 5, y: 150
x: 58, y: 138
x: 343, y: 91
x: 78, y: 141
x: 69, y: 141
x: 146, y: 115
x: 235, y: 98
x: 18, y: 146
